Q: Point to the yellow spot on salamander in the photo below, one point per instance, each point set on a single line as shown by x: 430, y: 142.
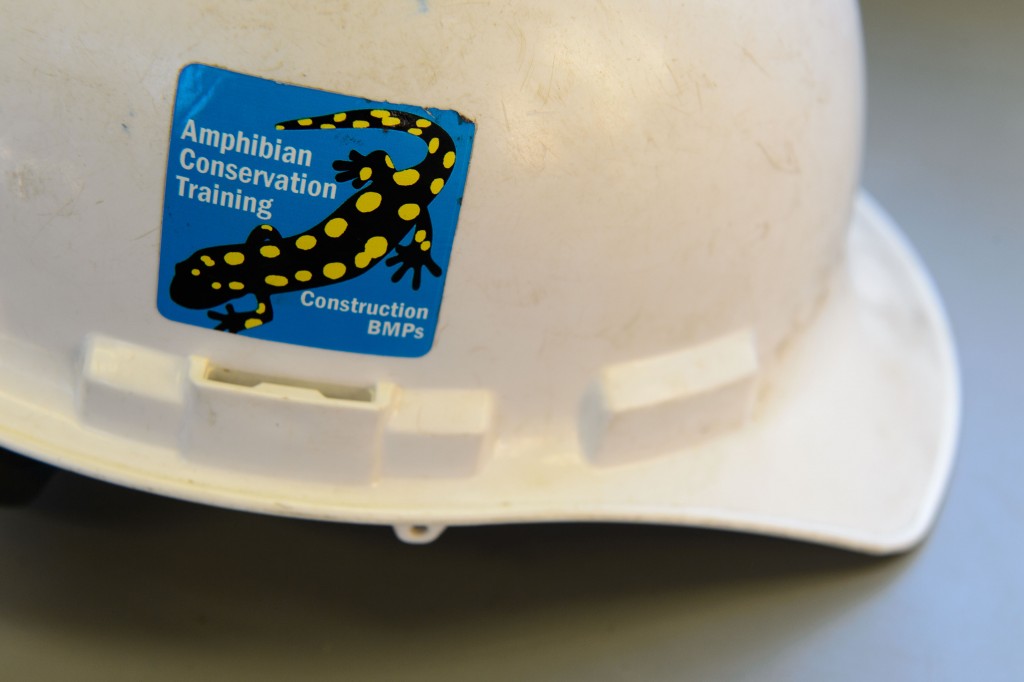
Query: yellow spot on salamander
x: 407, y: 177
x: 305, y: 121
x: 390, y: 164
x: 408, y: 211
x: 334, y: 270
x: 422, y: 123
x: 360, y: 124
x: 268, y: 228
x: 335, y: 227
x: 270, y: 251
x: 433, y: 145
x: 391, y: 121
x: 376, y: 246
x: 425, y: 246
x: 253, y: 322
x: 303, y: 275
x: 234, y: 258
x: 449, y: 160
x: 279, y: 126
x: 379, y: 113
x: 328, y: 126
x: 215, y: 285
x: 261, y: 308
x: 365, y: 173
x: 195, y: 272
x: 338, y: 118
x: 368, y: 202
x: 420, y: 235
x: 414, y: 131
x: 276, y: 280
x: 236, y: 286
x: 207, y: 261
x: 305, y: 242
x: 436, y: 186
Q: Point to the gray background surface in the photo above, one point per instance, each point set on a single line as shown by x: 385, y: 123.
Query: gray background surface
x: 101, y: 583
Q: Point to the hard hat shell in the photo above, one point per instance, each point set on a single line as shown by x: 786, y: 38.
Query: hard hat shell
x: 657, y: 301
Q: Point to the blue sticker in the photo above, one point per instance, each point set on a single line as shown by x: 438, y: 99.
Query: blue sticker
x: 309, y: 217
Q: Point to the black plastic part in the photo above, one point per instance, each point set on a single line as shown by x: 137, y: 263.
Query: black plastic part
x: 21, y: 478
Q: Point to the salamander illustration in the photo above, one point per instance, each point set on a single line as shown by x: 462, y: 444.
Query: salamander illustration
x: 390, y: 204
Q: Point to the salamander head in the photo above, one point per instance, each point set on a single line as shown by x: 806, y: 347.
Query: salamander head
x: 204, y: 279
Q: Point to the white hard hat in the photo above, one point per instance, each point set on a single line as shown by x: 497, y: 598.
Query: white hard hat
x: 442, y: 263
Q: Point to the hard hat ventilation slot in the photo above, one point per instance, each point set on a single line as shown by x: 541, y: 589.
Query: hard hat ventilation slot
x: 654, y: 406
x: 224, y: 375
x: 299, y: 430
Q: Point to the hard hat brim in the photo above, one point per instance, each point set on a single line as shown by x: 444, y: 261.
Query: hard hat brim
x: 852, y: 443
